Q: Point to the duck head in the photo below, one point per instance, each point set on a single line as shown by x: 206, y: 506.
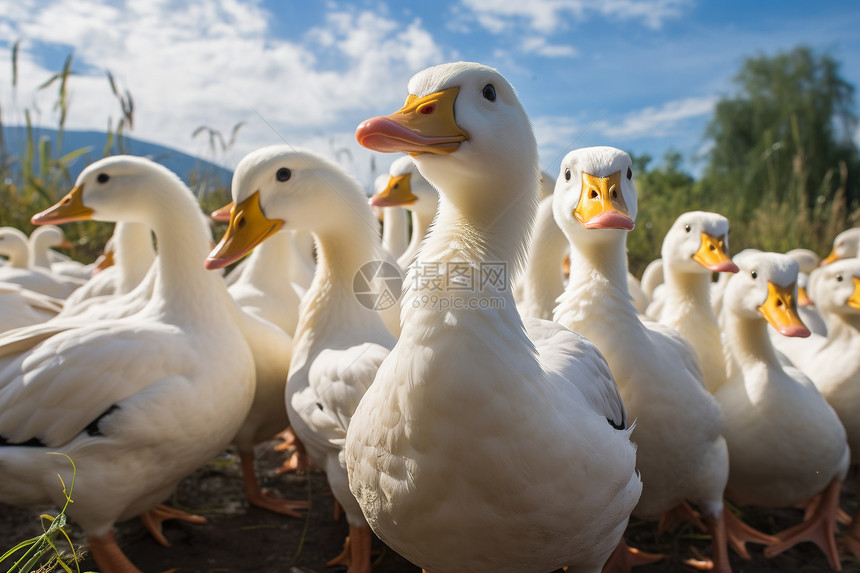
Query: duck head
x: 845, y: 245
x: 470, y: 137
x: 765, y: 286
x: 595, y: 191
x: 698, y: 242
x: 282, y: 188
x: 835, y: 288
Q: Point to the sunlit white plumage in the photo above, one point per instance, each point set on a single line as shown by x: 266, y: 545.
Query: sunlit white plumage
x: 485, y: 444
x: 681, y: 454
x: 138, y: 403
x: 786, y: 444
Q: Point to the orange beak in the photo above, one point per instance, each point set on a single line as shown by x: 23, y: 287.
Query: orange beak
x: 422, y: 125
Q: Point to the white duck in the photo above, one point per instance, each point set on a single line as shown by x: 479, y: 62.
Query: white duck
x: 23, y: 307
x: 41, y: 242
x: 340, y: 340
x: 406, y: 187
x: 395, y: 222
x: 695, y: 247
x: 833, y: 364
x: 484, y: 444
x: 15, y: 245
x: 681, y: 454
x: 542, y: 279
x: 138, y: 396
x: 132, y: 253
x: 807, y: 262
x: 786, y: 444
x: 846, y: 245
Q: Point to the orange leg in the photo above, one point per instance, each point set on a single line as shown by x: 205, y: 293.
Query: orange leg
x: 153, y: 519
x: 739, y: 534
x: 289, y: 439
x: 109, y: 556
x: 356, y: 550
x: 261, y: 498
x: 299, y: 461
x: 819, y: 529
x: 679, y: 513
x: 719, y: 547
x: 851, y: 539
x: 624, y: 558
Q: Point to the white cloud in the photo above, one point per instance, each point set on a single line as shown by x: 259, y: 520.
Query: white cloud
x: 548, y: 16
x: 215, y: 63
x: 539, y: 45
x: 660, y: 121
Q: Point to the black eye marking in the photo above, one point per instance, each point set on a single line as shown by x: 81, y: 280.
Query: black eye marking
x: 687, y: 228
x: 839, y: 278
x: 103, y: 178
x: 629, y: 173
x: 489, y: 92
x: 567, y: 174
x: 754, y: 275
x: 283, y: 174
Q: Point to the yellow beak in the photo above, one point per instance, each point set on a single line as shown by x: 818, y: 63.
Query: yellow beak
x: 68, y: 209
x: 222, y: 214
x: 854, y: 300
x: 601, y: 204
x: 712, y: 255
x: 397, y: 192
x: 422, y: 125
x: 831, y: 258
x: 248, y: 228
x: 780, y: 311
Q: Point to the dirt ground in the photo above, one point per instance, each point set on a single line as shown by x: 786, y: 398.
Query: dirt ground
x: 239, y: 538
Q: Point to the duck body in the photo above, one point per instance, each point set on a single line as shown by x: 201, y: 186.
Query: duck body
x: 694, y: 248
x: 485, y: 443
x: 800, y: 444
x: 681, y: 454
x: 137, y: 403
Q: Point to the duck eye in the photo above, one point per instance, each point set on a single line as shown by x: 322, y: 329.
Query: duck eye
x: 629, y: 173
x: 103, y: 178
x: 839, y: 278
x: 489, y: 92
x: 754, y: 275
x: 567, y: 174
x: 687, y: 228
x: 283, y: 174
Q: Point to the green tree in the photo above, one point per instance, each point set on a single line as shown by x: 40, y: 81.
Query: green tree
x: 664, y: 193
x: 783, y: 166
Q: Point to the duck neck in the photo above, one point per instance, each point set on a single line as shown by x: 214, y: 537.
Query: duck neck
x: 183, y: 287
x: 395, y: 230
x: 542, y: 279
x: 687, y: 292
x: 471, y: 258
x: 269, y: 265
x: 134, y: 254
x: 842, y: 327
x: 342, y: 251
x: 597, y: 284
x: 420, y: 224
x: 747, y: 339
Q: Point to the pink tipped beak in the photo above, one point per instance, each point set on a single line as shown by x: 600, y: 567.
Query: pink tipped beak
x: 610, y: 220
x: 724, y: 267
x: 795, y: 331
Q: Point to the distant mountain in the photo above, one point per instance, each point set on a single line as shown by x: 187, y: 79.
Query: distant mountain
x: 180, y: 163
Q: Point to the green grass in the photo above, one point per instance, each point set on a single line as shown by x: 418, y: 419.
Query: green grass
x: 42, y: 553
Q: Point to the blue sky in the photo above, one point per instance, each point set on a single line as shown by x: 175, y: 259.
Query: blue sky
x: 642, y: 75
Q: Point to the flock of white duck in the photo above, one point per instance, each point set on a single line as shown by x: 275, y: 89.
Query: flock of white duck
x: 473, y: 427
